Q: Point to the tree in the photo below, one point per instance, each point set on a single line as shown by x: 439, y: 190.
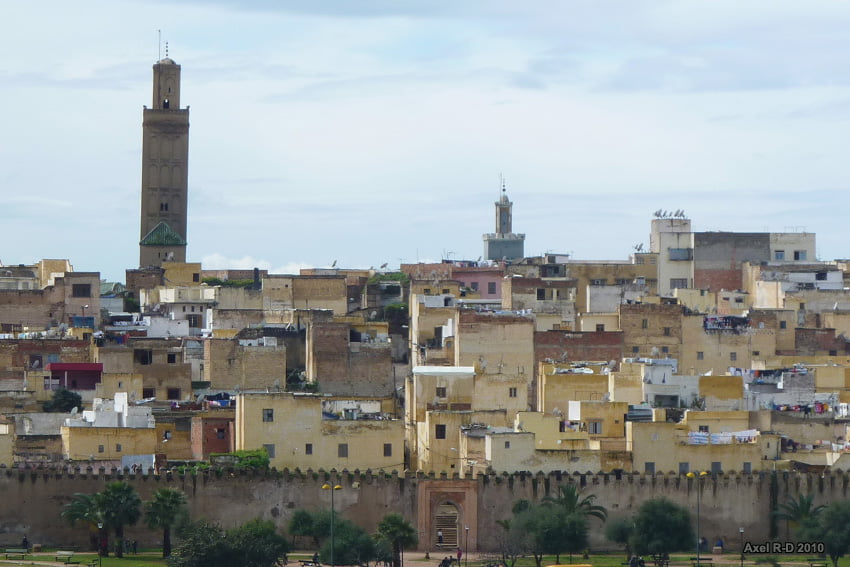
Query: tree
x: 302, y: 524
x: 120, y: 506
x: 166, y: 510
x: 619, y: 530
x: 85, y: 508
x: 661, y: 526
x: 511, y: 542
x: 257, y: 543
x: 571, y: 499
x: 550, y: 530
x: 202, y: 544
x: 832, y: 527
x: 399, y: 533
x: 798, y: 512
x: 63, y: 401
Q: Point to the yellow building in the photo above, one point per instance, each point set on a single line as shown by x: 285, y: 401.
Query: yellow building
x: 182, y: 273
x: 315, y: 432
x: 660, y: 447
x: 603, y: 421
x: 7, y: 441
x: 559, y: 383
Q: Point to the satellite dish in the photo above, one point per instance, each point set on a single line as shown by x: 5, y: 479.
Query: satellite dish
x: 276, y: 384
x: 74, y: 410
x: 557, y: 412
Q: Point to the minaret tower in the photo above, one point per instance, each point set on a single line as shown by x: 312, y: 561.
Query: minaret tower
x: 165, y: 175
x: 504, y: 244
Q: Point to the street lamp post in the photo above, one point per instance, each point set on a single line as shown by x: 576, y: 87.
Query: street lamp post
x: 698, y: 476
x: 466, y: 545
x: 332, y: 488
x: 741, y: 531
x: 100, y: 543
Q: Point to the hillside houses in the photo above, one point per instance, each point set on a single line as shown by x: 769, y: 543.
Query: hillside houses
x: 709, y: 351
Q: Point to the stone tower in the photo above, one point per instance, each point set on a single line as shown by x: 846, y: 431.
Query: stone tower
x: 165, y: 175
x: 504, y: 244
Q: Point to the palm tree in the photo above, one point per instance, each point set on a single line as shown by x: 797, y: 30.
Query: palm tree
x: 121, y: 507
x: 398, y: 533
x: 798, y: 512
x: 167, y: 509
x: 570, y: 498
x: 85, y: 508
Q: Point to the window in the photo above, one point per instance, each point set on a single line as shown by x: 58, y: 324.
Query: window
x: 269, y: 447
x: 756, y: 353
x: 678, y: 283
x: 441, y: 392
x: 148, y: 392
x: 639, y: 260
x: 700, y: 355
x: 783, y: 324
x: 427, y: 291
x: 833, y: 353
x: 194, y: 321
x: 173, y: 393
x: 802, y: 306
x: 703, y: 429
x: 491, y: 287
x: 739, y: 300
x: 622, y: 281
x: 541, y: 293
x: 748, y: 467
x: 446, y: 291
x: 118, y: 447
x: 163, y: 207
x: 166, y: 435
x: 268, y: 415
x: 666, y: 331
x: 681, y: 254
x: 81, y: 290
x: 820, y: 276
x: 779, y: 254
x: 716, y: 467
x: 598, y: 281
x: 507, y: 444
x: 308, y: 449
x: 474, y: 286
x: 172, y: 358
x: 143, y: 356
x: 440, y: 431
x: 100, y: 449
x: 635, y: 349
x: 388, y: 449
x: 644, y: 323
x: 799, y: 254
x: 684, y: 468
x: 511, y: 392
x: 196, y: 277
x: 733, y: 356
x: 600, y: 327
x: 665, y: 349
x: 342, y: 450
x: 649, y: 467
x: 594, y: 427
x: 220, y: 433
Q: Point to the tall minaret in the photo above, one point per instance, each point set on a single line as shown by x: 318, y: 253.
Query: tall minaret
x: 504, y: 244
x: 165, y: 174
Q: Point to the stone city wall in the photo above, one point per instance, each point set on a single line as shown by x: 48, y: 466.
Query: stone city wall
x: 32, y: 499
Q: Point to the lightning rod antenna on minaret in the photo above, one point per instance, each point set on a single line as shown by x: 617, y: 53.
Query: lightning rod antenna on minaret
x: 166, y: 49
x: 158, y: 45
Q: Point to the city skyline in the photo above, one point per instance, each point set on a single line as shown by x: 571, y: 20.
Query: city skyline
x: 377, y: 133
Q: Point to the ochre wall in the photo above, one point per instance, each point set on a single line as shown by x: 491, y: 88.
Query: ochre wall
x: 34, y: 499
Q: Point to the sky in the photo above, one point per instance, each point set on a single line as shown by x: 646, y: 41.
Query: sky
x: 376, y: 131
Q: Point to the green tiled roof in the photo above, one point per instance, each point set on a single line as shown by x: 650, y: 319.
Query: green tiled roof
x: 162, y: 235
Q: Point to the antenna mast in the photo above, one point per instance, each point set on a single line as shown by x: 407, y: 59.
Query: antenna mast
x: 158, y: 45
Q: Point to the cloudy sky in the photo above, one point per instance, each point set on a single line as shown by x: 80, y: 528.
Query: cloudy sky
x: 375, y: 131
